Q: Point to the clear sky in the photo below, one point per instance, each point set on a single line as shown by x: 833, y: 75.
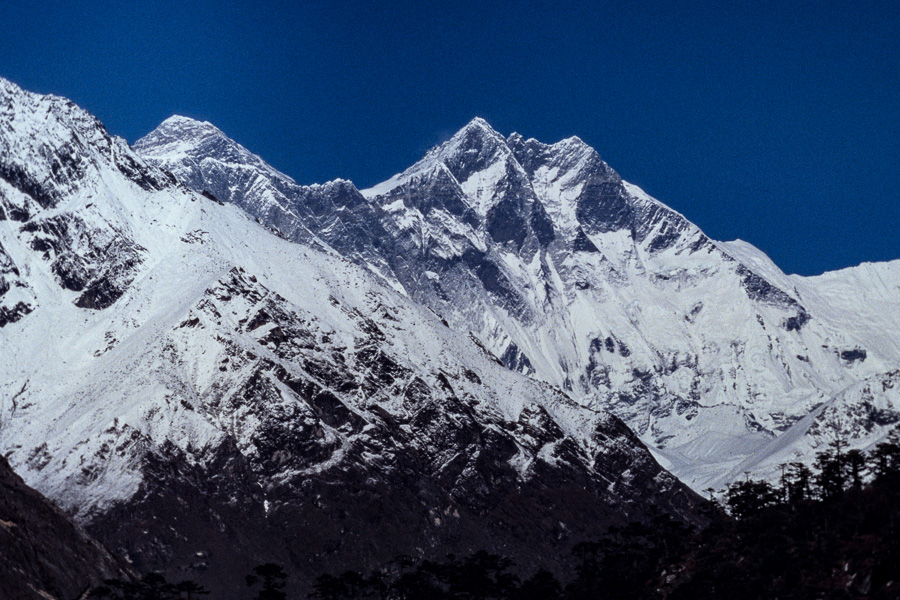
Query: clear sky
x: 773, y: 122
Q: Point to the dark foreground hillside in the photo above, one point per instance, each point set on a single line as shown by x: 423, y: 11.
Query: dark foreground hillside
x: 43, y: 555
x: 831, y: 532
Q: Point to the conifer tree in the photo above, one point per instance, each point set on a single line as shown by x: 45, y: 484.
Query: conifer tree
x: 271, y: 577
x: 799, y: 481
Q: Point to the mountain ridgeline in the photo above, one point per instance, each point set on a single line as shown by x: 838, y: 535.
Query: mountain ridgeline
x: 720, y: 362
x: 204, y: 396
x: 211, y: 367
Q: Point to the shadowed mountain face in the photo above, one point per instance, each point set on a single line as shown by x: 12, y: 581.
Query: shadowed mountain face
x: 335, y: 213
x: 204, y: 395
x: 45, y: 555
x: 569, y: 274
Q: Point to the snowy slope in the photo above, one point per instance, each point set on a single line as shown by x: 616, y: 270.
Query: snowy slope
x: 198, y: 390
x: 578, y: 278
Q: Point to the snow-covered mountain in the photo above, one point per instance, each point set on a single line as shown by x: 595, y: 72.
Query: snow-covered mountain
x: 571, y: 275
x: 202, y: 157
x: 199, y: 391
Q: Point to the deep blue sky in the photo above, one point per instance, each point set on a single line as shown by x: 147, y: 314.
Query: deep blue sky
x: 774, y: 122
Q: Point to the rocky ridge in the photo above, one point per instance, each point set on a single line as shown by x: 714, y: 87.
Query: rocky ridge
x: 203, y: 395
x: 573, y: 276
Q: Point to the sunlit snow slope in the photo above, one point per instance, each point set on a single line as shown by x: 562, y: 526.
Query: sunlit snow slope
x: 578, y: 278
x: 204, y: 394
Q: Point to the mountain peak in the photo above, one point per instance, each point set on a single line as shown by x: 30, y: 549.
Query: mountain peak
x: 180, y: 137
x: 571, y: 141
x: 8, y: 87
x: 477, y: 128
x: 179, y: 128
x: 471, y: 149
x: 182, y: 121
x: 480, y: 124
x: 477, y: 135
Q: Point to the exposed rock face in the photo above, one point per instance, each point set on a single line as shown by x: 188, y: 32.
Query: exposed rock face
x: 204, y: 396
x: 578, y: 278
x: 12, y: 291
x: 50, y: 152
x: 45, y: 555
x: 335, y: 213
